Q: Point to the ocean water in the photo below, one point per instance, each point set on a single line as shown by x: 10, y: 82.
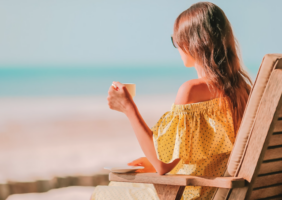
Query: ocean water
x: 84, y: 81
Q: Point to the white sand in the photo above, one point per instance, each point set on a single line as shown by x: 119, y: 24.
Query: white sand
x: 60, y: 136
x: 68, y: 193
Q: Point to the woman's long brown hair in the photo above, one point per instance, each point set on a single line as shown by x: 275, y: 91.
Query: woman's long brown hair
x: 204, y: 31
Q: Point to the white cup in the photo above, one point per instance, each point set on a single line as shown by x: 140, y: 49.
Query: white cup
x: 131, y: 88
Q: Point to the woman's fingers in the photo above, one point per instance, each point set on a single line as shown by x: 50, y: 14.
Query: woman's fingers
x: 137, y: 162
x: 111, y: 89
x: 114, y: 86
x: 143, y: 161
x: 119, y: 99
x: 118, y: 84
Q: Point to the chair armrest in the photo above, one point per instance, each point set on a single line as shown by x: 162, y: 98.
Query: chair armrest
x: 177, y: 179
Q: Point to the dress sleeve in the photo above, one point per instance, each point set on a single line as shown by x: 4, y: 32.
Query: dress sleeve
x: 167, y: 137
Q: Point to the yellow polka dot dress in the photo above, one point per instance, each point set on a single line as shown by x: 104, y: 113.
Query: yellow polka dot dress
x: 200, y: 134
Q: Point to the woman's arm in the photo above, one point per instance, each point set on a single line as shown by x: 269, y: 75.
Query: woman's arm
x: 143, y: 161
x: 121, y: 100
x: 145, y: 139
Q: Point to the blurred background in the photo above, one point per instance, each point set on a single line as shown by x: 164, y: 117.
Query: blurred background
x: 58, y: 59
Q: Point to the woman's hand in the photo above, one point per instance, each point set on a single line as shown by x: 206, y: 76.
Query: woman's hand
x: 143, y: 161
x: 119, y: 98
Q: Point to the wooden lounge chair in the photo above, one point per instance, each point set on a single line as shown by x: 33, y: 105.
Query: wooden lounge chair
x: 254, y: 170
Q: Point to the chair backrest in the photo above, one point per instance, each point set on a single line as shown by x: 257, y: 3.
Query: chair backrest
x: 257, y: 127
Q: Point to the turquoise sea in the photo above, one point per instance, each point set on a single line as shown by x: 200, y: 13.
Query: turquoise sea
x: 81, y: 81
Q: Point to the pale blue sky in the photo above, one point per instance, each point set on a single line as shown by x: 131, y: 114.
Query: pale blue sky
x: 121, y: 32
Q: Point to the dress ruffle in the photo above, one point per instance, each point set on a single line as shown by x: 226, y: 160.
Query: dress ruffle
x: 193, y: 132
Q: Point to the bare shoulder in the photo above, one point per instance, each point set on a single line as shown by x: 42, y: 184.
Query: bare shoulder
x: 193, y: 91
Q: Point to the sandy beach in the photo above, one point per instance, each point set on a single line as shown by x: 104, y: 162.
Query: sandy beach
x: 67, y: 136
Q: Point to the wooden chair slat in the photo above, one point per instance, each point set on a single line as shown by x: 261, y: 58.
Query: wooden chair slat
x: 279, y: 197
x: 280, y: 113
x: 182, y: 180
x: 271, y: 154
x: 275, y: 140
x: 278, y: 126
x: 23, y: 187
x: 268, y: 180
x: 4, y: 191
x: 270, y: 167
x: 266, y: 192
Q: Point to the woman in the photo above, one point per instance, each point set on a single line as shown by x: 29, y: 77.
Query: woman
x: 197, y: 135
